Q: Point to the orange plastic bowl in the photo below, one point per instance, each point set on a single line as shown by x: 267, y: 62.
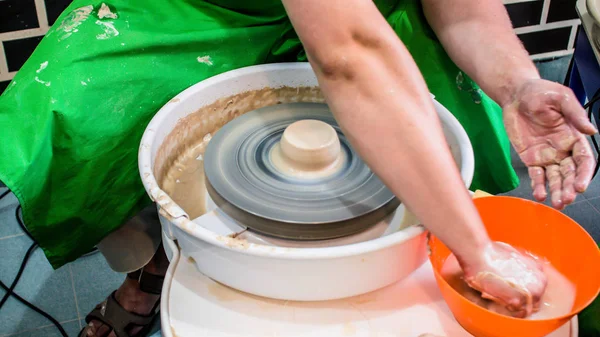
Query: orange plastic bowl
x: 544, y: 232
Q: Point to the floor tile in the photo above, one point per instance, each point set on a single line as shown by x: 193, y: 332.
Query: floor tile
x: 515, y: 159
x: 71, y: 328
x: 8, y: 222
x: 93, y: 280
x: 586, y: 215
x: 524, y: 189
x: 554, y: 69
x: 156, y: 334
x: 593, y: 190
x: 50, y: 290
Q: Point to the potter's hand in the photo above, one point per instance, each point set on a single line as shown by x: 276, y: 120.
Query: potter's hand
x: 547, y: 127
x: 509, y: 278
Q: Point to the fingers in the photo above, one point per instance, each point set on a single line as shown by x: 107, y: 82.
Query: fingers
x: 555, y: 183
x: 575, y: 114
x: 565, y: 180
x: 538, y: 183
x: 585, y: 162
x: 514, y: 298
x: 567, y: 171
x: 514, y: 280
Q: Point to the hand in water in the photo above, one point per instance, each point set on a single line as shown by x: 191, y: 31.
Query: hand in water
x: 509, y: 278
x: 547, y: 126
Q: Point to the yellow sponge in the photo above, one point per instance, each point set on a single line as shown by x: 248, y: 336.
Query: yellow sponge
x: 481, y: 194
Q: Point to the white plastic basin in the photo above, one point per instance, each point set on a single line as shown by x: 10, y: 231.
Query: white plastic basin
x: 300, y: 274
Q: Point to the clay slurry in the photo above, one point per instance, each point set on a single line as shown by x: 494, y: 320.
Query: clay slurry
x: 558, y: 299
x: 184, y: 181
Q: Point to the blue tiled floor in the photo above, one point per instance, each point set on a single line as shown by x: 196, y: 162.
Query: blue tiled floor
x: 71, y: 292
x: 554, y: 69
x: 67, y: 294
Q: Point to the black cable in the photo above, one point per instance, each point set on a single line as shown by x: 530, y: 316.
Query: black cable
x: 587, y: 105
x: 594, y: 99
x: 590, y: 107
x: 34, y: 308
x: 4, y: 194
x: 10, y: 292
x: 21, y: 224
x: 19, y: 273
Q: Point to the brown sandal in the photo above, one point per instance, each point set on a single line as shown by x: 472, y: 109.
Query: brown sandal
x: 112, y: 314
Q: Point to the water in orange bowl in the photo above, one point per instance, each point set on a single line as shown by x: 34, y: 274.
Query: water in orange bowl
x: 558, y: 299
x: 544, y: 232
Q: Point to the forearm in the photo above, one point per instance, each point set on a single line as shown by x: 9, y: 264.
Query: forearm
x: 479, y: 38
x: 381, y: 102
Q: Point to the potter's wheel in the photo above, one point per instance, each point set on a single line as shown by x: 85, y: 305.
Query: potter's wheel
x: 293, y: 201
x: 367, y: 287
x: 287, y: 260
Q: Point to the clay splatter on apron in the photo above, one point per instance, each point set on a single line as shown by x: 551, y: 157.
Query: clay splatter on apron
x: 467, y: 86
x: 205, y: 59
x: 69, y: 24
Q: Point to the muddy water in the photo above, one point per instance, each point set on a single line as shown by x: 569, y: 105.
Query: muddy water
x: 184, y: 181
x: 558, y: 299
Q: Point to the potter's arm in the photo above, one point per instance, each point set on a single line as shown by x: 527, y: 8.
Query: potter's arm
x: 544, y: 121
x: 479, y: 38
x: 380, y: 100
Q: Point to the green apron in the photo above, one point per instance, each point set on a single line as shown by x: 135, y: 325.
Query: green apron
x: 73, y: 116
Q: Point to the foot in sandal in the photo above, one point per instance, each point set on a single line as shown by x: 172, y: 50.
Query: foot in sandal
x: 131, y: 310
